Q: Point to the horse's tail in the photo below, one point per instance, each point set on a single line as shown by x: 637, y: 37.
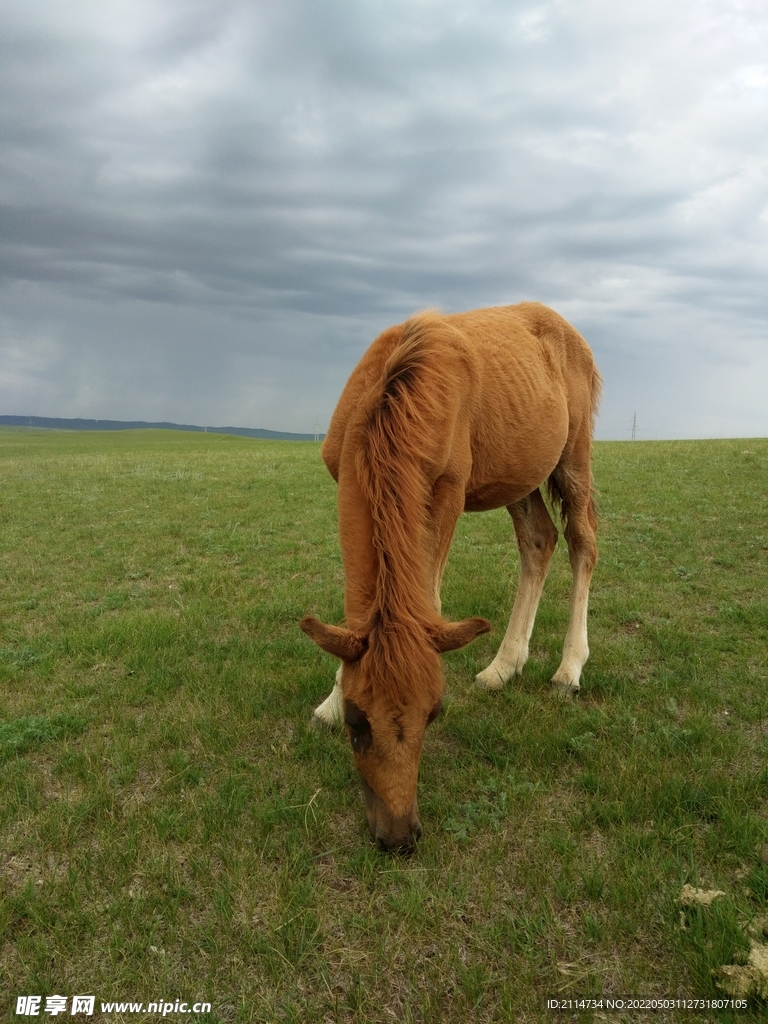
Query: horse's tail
x: 559, y: 481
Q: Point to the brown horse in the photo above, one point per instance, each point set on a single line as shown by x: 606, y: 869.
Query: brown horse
x: 446, y: 414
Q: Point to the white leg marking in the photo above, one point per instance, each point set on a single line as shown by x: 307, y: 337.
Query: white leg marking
x: 513, y: 652
x: 331, y: 711
x: 536, y: 539
x: 575, y: 648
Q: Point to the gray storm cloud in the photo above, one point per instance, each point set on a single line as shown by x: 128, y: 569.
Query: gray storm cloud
x: 209, y: 209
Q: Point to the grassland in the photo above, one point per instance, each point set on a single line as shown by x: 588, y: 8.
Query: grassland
x: 173, y: 828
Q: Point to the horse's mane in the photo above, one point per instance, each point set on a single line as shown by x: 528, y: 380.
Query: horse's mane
x: 394, y: 437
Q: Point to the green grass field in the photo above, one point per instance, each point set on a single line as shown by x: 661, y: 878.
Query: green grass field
x: 173, y: 828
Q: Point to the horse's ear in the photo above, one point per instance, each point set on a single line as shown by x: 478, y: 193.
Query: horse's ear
x: 336, y: 640
x: 452, y: 635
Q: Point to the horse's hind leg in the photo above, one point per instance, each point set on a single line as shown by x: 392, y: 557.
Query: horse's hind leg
x: 573, y: 480
x: 536, y: 539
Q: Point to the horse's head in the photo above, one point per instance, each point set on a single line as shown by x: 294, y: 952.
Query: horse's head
x: 392, y: 683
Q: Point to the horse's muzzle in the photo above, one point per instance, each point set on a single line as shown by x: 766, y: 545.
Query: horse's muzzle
x: 391, y: 833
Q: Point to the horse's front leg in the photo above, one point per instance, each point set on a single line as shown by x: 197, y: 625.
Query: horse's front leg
x: 331, y: 711
x: 445, y: 507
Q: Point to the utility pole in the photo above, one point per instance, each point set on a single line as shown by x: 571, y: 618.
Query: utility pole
x: 634, y: 426
x: 317, y: 428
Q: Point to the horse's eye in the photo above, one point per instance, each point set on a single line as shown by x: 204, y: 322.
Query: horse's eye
x: 358, y: 727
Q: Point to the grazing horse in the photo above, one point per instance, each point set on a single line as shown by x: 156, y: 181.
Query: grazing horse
x: 446, y: 414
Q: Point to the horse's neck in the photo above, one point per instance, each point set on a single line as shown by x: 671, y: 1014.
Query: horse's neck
x: 405, y: 592
x: 357, y: 550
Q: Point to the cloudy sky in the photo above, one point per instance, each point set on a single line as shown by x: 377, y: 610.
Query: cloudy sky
x: 209, y: 208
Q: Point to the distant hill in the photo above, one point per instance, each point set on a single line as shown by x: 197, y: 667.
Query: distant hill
x: 55, y: 423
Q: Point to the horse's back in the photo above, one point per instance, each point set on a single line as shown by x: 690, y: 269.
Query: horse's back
x: 535, y: 365
x: 517, y: 384
x: 529, y: 341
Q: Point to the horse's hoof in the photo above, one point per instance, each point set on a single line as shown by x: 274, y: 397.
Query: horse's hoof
x: 489, y: 680
x: 565, y: 690
x: 320, y: 724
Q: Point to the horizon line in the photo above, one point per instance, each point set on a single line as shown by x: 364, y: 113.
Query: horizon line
x: 91, y: 423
